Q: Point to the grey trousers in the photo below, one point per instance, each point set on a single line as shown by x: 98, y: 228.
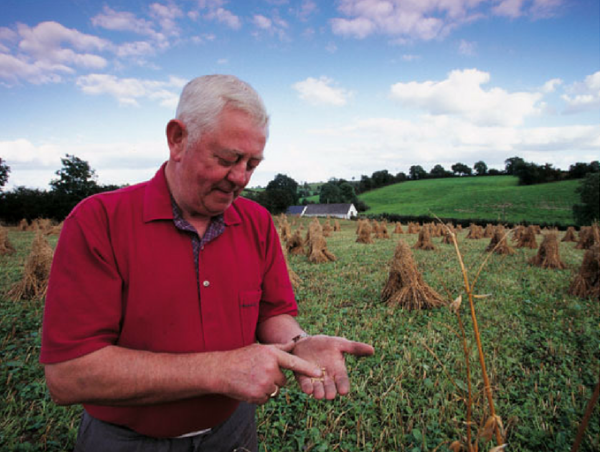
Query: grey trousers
x: 236, y: 434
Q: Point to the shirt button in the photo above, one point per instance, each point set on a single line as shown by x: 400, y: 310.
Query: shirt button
x: 206, y: 283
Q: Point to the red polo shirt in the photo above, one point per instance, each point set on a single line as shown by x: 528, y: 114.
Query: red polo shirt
x: 123, y: 274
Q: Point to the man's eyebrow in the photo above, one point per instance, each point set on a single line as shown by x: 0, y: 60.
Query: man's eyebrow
x: 238, y: 154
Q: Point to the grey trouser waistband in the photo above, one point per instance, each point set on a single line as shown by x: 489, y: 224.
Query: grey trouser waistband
x: 238, y: 433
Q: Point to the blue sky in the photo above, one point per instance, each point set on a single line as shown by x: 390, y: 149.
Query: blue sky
x: 352, y: 86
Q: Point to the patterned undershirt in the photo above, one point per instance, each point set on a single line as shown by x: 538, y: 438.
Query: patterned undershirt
x: 215, y: 228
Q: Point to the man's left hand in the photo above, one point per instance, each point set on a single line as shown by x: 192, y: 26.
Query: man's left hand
x: 328, y: 353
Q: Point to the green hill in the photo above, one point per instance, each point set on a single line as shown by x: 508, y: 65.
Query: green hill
x: 494, y: 198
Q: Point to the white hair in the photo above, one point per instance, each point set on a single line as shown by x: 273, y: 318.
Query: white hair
x: 203, y: 99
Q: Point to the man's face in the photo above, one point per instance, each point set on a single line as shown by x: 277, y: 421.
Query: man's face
x: 214, y: 171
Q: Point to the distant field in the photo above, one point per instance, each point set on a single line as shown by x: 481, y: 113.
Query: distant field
x: 494, y: 198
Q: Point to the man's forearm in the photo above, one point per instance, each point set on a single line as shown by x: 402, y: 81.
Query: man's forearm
x: 119, y: 376
x: 278, y: 330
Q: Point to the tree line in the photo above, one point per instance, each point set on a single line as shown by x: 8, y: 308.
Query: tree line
x: 528, y: 173
x: 77, y: 180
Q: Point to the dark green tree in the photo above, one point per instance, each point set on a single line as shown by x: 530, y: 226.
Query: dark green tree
x: 347, y: 191
x: 512, y: 164
x: 4, y: 170
x: 281, y: 193
x: 401, y: 177
x: 579, y: 170
x: 460, y: 169
x: 365, y: 184
x: 28, y: 203
x: 76, y: 181
x: 480, y: 168
x: 382, y: 178
x: 588, y: 210
x: 438, y: 171
x: 76, y: 178
x: 330, y: 193
x: 287, y: 184
x: 417, y: 172
x: 275, y: 200
x: 529, y: 173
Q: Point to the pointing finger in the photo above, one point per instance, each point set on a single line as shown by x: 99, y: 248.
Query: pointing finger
x: 288, y: 347
x: 298, y: 365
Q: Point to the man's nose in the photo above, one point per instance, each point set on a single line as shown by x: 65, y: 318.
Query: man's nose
x: 238, y: 175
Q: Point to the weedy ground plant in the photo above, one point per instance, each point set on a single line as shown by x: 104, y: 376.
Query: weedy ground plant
x: 541, y: 346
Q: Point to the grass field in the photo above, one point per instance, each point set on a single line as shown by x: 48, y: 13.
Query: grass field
x: 494, y: 198
x: 542, y: 349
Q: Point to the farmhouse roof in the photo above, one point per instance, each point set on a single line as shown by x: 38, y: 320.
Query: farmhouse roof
x: 295, y: 210
x: 327, y: 209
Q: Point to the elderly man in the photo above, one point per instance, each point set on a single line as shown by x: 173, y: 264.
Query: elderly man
x: 169, y: 313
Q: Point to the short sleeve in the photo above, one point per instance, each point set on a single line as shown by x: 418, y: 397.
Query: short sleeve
x: 83, y: 306
x: 277, y: 292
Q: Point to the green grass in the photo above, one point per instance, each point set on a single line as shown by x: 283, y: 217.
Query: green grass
x: 494, y: 198
x: 542, y: 351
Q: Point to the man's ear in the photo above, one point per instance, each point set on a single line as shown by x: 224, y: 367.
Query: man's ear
x: 176, y: 138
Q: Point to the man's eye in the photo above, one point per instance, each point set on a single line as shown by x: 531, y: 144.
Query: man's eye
x: 227, y: 162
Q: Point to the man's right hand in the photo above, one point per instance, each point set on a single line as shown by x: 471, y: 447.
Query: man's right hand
x: 253, y: 373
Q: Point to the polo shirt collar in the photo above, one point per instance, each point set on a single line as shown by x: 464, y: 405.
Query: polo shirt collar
x: 231, y: 216
x: 157, y: 198
x: 157, y: 201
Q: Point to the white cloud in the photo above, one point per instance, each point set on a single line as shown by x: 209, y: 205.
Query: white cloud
x: 331, y: 47
x: 6, y: 34
x: 546, y: 8
x: 508, y: 8
x: 48, y: 51
x: 359, y: 28
x: 126, y: 21
x: 321, y: 91
x: 224, y: 16
x: 48, y: 41
x: 274, y: 26
x: 203, y: 39
x: 23, y: 151
x: 167, y: 16
x: 13, y: 69
x: 306, y: 9
x: 372, y: 144
x: 128, y: 91
x: 536, y: 9
x: 422, y: 20
x: 560, y: 138
x: 461, y: 95
x: 211, y: 4
x: 406, y: 21
x: 551, y: 85
x: 467, y: 48
x: 137, y: 48
x: 123, y: 21
x: 34, y: 165
x: 583, y: 96
x: 262, y: 22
